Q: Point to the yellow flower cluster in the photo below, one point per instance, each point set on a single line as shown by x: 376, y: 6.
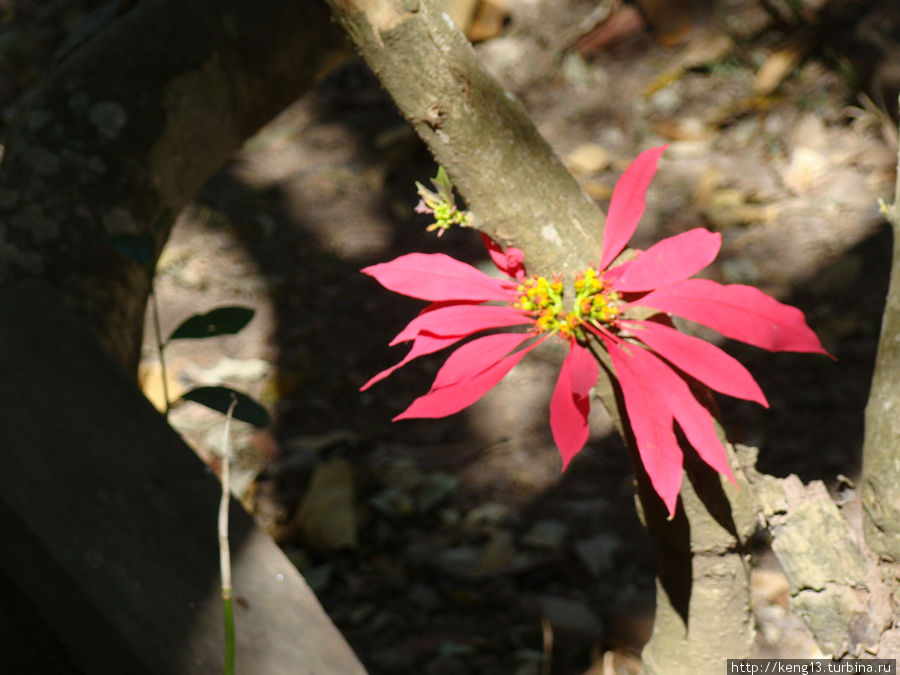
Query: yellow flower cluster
x: 544, y: 300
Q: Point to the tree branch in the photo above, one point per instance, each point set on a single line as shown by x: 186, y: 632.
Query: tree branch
x: 479, y: 132
x: 881, y: 469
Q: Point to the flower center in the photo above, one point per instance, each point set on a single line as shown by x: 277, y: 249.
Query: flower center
x: 594, y: 304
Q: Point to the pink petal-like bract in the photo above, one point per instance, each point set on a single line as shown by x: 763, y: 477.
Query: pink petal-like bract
x: 424, y: 344
x: 510, y: 261
x: 651, y: 423
x: 695, y: 421
x: 699, y: 359
x: 461, y: 319
x: 627, y: 204
x: 672, y: 259
x: 437, y: 277
x: 571, y: 403
x: 474, y: 357
x: 740, y: 312
x: 453, y: 398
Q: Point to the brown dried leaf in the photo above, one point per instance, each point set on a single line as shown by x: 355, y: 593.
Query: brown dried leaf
x: 780, y: 64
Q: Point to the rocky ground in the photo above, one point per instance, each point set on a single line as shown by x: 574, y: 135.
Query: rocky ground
x: 455, y: 546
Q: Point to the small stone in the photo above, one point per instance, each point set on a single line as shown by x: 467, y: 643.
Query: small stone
x: 805, y: 167
x: 108, y: 117
x: 588, y: 158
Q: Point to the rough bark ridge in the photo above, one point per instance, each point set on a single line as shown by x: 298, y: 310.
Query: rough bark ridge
x: 520, y: 193
x: 837, y: 584
x: 128, y: 128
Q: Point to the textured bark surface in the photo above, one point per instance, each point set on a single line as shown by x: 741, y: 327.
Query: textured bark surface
x: 126, y: 130
x: 703, y: 614
x: 881, y: 447
x: 837, y: 584
x: 516, y: 187
x: 520, y: 193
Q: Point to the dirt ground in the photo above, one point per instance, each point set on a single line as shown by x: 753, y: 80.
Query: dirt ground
x: 456, y: 546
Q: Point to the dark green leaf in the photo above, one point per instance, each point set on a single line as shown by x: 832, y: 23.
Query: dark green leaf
x: 218, y: 321
x: 219, y: 399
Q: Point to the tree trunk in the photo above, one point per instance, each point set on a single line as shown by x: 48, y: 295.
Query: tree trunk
x: 703, y: 613
x: 520, y: 193
x: 125, y: 131
x: 881, y: 447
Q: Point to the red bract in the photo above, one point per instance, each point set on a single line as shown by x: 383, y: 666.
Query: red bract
x: 653, y: 363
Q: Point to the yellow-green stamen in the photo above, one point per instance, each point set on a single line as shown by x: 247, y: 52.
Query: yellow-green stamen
x: 594, y: 304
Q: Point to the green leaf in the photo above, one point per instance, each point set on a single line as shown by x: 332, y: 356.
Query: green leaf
x: 219, y: 321
x: 219, y: 399
x: 444, y: 185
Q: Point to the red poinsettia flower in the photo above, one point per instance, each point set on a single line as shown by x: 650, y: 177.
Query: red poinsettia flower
x: 653, y: 362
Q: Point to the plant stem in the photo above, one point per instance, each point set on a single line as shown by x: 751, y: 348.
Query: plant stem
x: 160, y: 347
x: 224, y: 552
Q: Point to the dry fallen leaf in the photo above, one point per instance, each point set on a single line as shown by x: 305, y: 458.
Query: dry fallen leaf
x: 488, y: 20
x: 781, y: 63
x: 703, y: 50
x: 726, y: 207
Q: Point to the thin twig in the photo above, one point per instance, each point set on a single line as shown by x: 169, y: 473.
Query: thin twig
x: 224, y: 550
x: 547, y: 631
